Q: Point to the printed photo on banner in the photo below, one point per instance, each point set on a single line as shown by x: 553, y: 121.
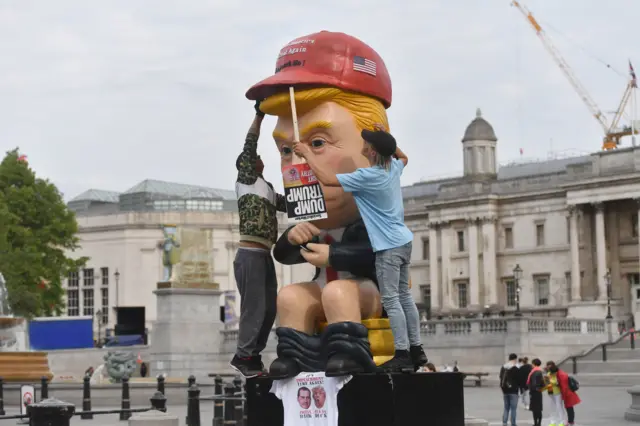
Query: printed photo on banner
x: 305, y: 200
x: 311, y: 396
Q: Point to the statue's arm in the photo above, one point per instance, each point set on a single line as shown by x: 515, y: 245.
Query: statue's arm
x: 285, y: 252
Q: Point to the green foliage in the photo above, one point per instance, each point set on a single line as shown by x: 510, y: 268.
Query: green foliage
x: 36, y: 231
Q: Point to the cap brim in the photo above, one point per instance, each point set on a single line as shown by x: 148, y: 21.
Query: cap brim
x: 281, y: 82
x: 278, y: 83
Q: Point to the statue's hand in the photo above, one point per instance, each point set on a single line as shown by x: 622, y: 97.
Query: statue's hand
x: 316, y: 254
x: 302, y: 233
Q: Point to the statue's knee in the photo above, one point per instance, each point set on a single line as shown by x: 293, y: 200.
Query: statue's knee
x: 287, y: 298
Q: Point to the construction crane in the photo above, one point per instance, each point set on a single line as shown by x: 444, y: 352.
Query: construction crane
x: 612, y: 133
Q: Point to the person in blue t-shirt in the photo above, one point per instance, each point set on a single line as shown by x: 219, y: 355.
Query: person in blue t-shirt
x: 378, y: 195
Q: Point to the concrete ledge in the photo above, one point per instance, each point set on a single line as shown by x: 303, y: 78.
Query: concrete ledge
x: 154, y: 418
x: 633, y: 412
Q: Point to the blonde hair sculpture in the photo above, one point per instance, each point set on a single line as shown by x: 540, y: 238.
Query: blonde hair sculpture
x: 366, y: 110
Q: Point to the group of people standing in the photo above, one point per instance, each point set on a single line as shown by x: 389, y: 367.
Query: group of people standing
x: 521, y: 381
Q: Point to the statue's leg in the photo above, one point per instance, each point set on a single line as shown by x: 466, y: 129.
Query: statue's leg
x: 346, y: 339
x: 299, y: 349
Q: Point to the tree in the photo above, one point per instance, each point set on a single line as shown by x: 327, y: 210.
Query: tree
x: 36, y: 231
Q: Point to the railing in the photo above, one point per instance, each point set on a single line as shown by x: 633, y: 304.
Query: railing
x: 449, y: 327
x: 40, y: 413
x: 603, y: 347
x: 229, y: 403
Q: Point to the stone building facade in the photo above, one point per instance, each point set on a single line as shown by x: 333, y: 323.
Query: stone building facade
x: 570, y: 224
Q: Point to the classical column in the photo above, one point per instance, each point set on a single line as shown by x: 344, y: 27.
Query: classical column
x: 490, y: 261
x: 576, y: 294
x: 434, y: 276
x: 601, y: 251
x: 474, y: 284
x: 445, y: 250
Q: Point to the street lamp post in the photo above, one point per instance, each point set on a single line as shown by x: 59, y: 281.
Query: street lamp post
x: 98, y: 315
x: 607, y: 280
x: 517, y: 275
x: 117, y: 275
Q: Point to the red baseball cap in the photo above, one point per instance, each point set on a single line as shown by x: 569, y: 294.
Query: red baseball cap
x: 327, y: 59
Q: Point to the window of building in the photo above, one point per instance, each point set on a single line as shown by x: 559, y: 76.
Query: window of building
x: 87, y: 302
x: 74, y: 279
x: 73, y: 305
x: 425, y: 249
x: 540, y: 234
x: 634, y: 225
x: 568, y: 230
x: 425, y: 291
x: 460, y: 241
x: 511, y: 292
x: 87, y: 277
x: 542, y: 290
x: 104, y: 293
x: 508, y: 237
x: 463, y: 300
x: 104, y: 272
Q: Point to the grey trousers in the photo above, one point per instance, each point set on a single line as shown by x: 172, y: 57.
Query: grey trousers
x: 256, y: 280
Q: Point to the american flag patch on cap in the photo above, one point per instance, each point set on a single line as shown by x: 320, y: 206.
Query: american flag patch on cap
x: 364, y: 65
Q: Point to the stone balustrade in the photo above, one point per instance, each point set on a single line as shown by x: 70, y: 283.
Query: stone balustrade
x: 487, y: 341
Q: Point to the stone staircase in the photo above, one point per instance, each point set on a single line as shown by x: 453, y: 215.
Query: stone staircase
x: 619, y: 365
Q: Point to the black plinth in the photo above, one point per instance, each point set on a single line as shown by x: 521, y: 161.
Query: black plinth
x: 376, y: 400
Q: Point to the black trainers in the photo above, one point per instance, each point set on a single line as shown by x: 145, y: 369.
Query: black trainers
x: 418, y: 357
x: 400, y: 362
x: 248, y: 367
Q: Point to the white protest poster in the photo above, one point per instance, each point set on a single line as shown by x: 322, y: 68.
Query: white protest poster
x: 302, y: 191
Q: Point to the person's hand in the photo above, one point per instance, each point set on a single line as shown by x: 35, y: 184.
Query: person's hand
x: 316, y: 254
x: 302, y: 233
x: 259, y: 113
x: 379, y: 127
x: 301, y: 149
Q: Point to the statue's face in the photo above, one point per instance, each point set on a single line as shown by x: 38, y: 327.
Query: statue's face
x: 331, y: 132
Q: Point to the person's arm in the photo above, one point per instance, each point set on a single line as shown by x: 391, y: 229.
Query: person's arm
x: 281, y: 203
x: 324, y: 176
x: 401, y: 156
x: 246, y: 162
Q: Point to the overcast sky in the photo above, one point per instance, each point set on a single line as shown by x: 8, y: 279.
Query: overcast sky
x: 105, y: 93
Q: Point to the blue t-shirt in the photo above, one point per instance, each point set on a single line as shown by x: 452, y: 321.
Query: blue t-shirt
x: 378, y: 195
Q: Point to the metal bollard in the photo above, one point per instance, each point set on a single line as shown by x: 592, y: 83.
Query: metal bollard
x: 126, y: 402
x: 50, y: 412
x: 191, y: 380
x: 193, y: 406
x: 86, y: 398
x: 238, y: 411
x: 159, y: 402
x: 229, y: 406
x: 245, y: 411
x: 2, y: 412
x: 44, y: 388
x: 160, y: 380
x: 218, y: 404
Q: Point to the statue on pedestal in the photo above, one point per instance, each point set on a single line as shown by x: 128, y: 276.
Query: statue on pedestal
x: 170, y: 254
x: 341, y: 87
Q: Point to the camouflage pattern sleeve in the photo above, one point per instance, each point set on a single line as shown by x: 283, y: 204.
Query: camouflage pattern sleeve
x: 281, y: 203
x: 246, y: 163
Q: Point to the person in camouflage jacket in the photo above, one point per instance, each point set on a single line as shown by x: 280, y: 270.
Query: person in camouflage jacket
x: 254, y: 270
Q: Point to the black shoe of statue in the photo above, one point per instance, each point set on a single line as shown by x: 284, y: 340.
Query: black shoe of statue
x: 283, y: 368
x: 418, y: 357
x: 249, y: 367
x: 343, y: 365
x: 401, y: 362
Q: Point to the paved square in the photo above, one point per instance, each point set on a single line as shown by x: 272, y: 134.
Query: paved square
x: 601, y: 406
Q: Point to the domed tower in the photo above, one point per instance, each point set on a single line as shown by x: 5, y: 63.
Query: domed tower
x: 479, y: 144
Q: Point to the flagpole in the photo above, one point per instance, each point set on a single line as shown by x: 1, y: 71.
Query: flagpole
x: 634, y: 115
